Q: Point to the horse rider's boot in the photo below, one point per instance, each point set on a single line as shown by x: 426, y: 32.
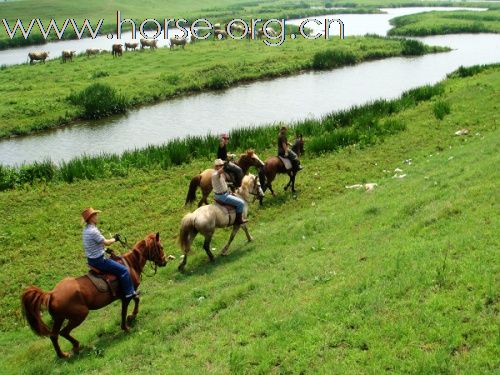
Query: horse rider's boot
x: 239, y: 219
x: 297, y: 166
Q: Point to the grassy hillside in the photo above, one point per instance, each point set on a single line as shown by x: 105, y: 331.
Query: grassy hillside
x: 437, y: 23
x: 35, y: 97
x: 403, y: 279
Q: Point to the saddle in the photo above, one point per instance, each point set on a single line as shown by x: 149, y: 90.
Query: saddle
x: 286, y: 162
x: 106, y: 282
x: 231, y: 211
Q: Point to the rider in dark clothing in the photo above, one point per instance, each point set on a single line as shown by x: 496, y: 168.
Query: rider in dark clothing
x: 231, y: 168
x: 285, y: 152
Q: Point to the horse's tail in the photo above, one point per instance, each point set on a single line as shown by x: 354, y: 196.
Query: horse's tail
x: 187, y: 229
x: 31, y: 300
x: 193, y: 185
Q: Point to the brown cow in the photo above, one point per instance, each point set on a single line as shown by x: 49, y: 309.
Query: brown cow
x: 149, y: 43
x: 67, y: 55
x: 117, y: 50
x: 38, y: 55
x: 131, y: 46
x: 177, y: 42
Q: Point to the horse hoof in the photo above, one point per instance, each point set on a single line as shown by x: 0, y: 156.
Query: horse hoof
x: 250, y: 239
x: 180, y: 267
x: 76, y: 349
x: 130, y: 319
x: 64, y: 355
x: 126, y: 328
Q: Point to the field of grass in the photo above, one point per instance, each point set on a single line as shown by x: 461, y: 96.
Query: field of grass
x: 438, y: 23
x: 190, y: 10
x: 35, y: 97
x: 404, y: 279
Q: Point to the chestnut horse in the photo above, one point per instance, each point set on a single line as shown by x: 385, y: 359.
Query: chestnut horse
x: 204, y: 179
x: 72, y: 298
x: 272, y: 167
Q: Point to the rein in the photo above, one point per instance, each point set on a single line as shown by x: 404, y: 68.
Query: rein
x: 154, y: 266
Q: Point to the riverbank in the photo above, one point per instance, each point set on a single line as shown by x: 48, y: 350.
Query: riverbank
x: 440, y: 23
x: 401, y: 279
x: 34, y: 98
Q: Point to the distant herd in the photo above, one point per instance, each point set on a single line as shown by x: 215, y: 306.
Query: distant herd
x: 152, y: 44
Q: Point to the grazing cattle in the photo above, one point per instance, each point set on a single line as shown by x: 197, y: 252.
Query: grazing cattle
x: 238, y: 27
x: 117, y: 50
x: 152, y: 44
x: 38, y: 56
x: 217, y: 26
x: 67, y: 56
x: 177, y: 42
x: 220, y: 34
x: 270, y: 31
x: 92, y: 51
x: 131, y: 46
x: 193, y: 38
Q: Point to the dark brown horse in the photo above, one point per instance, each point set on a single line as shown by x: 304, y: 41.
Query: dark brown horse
x: 272, y: 167
x: 204, y: 179
x: 72, y: 298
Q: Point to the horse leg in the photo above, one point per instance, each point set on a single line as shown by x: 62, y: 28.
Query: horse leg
x: 124, y: 325
x: 231, y: 238
x: 293, y: 183
x: 206, y: 246
x: 54, y: 337
x: 131, y: 318
x: 183, y: 263
x: 270, y: 186
x: 245, y: 229
x: 289, y: 181
x: 74, y: 322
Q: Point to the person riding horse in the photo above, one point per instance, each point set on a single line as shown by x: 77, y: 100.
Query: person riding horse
x: 222, y: 193
x: 285, y: 152
x: 93, y: 244
x: 231, y: 168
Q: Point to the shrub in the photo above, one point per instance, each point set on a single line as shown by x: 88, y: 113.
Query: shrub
x: 332, y: 59
x: 412, y: 47
x: 441, y: 109
x: 99, y: 100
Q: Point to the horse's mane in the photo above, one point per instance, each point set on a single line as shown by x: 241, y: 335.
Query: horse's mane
x: 146, y: 242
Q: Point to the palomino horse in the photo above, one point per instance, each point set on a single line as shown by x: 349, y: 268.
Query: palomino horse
x: 72, y: 298
x: 272, y: 167
x: 206, y: 218
x: 204, y: 179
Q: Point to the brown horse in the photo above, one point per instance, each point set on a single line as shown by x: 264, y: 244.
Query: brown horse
x: 272, y: 167
x: 204, y: 179
x: 72, y: 298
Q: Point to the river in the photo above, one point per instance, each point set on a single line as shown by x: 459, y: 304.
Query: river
x: 287, y: 99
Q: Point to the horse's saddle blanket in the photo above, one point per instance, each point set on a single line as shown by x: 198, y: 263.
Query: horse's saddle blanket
x: 230, y: 210
x: 286, y: 162
x: 106, y: 282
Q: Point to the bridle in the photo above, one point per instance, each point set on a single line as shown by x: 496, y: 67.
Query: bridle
x: 152, y: 255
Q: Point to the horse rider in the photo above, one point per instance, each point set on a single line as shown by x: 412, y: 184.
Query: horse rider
x: 231, y: 168
x: 94, y: 243
x: 222, y: 192
x: 285, y: 152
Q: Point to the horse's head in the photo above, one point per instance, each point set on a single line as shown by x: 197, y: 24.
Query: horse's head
x: 251, y: 159
x: 153, y: 250
x: 251, y: 183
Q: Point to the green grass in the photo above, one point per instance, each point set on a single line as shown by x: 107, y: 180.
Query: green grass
x: 400, y: 280
x: 437, y: 23
x: 36, y: 97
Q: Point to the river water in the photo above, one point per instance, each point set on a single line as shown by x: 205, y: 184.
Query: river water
x: 286, y: 99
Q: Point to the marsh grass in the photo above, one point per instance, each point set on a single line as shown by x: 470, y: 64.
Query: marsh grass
x: 332, y: 59
x: 99, y: 100
x: 412, y: 47
x: 441, y: 109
